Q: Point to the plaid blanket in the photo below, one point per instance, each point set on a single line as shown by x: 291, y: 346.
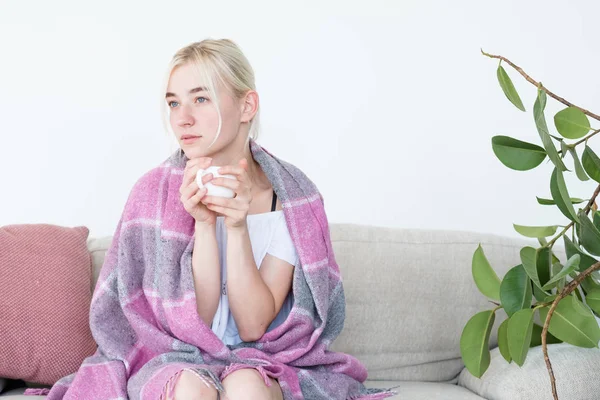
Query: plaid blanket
x: 143, y: 313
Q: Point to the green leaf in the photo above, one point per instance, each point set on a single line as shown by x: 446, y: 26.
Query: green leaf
x: 542, y: 128
x: 559, y: 192
x: 543, y: 263
x: 588, y: 284
x: 571, y: 249
x: 549, y: 299
x: 503, y: 340
x: 571, y: 264
x: 564, y: 148
x: 508, y: 88
x: 593, y: 300
x: 571, y: 326
x: 550, y: 202
x: 579, y: 171
x: 591, y: 163
x: 528, y: 259
x: 536, y: 336
x: 474, y: 342
x: 520, y: 326
x: 578, y: 306
x: 554, y: 259
x: 516, y: 154
x: 485, y: 277
x: 590, y: 236
x: 535, y: 231
x: 556, y: 268
x: 540, y: 102
x: 538, y: 293
x: 579, y: 292
x: 515, y: 290
x: 571, y: 123
x: 596, y: 219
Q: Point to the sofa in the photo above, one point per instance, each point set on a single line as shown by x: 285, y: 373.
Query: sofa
x: 409, y: 293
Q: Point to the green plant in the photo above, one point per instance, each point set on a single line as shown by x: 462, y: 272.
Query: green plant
x: 566, y: 294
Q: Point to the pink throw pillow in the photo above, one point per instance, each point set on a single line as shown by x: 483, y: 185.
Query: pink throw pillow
x: 45, y: 295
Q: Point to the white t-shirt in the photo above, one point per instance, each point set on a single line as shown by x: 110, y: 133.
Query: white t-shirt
x: 268, y: 234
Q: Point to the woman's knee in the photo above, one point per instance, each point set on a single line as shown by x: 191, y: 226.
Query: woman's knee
x: 247, y: 383
x: 191, y: 387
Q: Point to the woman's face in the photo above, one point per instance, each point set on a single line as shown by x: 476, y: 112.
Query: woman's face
x: 193, y: 112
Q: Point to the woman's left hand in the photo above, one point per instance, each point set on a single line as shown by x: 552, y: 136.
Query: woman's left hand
x: 234, y: 210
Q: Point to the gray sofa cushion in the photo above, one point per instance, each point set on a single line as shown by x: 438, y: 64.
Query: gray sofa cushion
x: 425, y: 390
x: 409, y: 294
x: 406, y: 391
x: 576, y: 371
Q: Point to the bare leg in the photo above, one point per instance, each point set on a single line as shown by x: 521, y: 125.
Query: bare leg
x: 247, y: 383
x: 191, y: 387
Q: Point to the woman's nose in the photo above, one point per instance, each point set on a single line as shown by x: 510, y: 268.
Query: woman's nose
x: 185, y: 117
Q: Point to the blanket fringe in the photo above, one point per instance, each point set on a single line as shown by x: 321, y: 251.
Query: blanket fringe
x: 205, y: 376
x: 237, y: 366
x: 36, y: 392
x: 375, y: 396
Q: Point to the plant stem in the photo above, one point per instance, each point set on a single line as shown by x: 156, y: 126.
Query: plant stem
x: 572, y: 146
x: 585, y: 138
x: 586, y: 210
x: 565, y: 292
x: 566, y: 228
x: 537, y: 84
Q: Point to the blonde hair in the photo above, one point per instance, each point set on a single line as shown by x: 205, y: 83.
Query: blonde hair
x: 215, y: 59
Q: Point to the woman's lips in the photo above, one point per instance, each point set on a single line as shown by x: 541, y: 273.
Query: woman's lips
x: 190, y: 139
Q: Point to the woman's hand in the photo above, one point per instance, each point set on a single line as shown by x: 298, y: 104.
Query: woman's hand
x: 234, y: 210
x: 191, y: 194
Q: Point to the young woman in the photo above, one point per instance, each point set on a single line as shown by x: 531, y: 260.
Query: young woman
x: 213, y: 109
x: 207, y: 297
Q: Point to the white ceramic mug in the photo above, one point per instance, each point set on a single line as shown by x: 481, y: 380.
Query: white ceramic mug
x: 214, y: 190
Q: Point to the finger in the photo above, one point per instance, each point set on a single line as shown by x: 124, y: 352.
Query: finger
x: 193, y: 165
x: 221, y: 210
x: 187, y: 182
x: 225, y: 202
x: 188, y: 175
x: 202, y: 161
x: 195, y: 199
x: 226, y: 182
x: 232, y: 170
x: 207, y: 178
x: 188, y: 192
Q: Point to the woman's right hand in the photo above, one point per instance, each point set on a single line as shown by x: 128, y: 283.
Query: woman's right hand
x: 191, y: 194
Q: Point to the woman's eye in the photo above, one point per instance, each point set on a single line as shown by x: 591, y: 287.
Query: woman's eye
x: 204, y: 99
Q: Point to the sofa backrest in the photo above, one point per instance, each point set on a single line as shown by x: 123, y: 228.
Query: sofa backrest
x: 409, y: 293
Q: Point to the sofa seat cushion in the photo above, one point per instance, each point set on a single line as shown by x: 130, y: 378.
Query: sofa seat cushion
x: 575, y: 370
x: 409, y: 294
x: 410, y: 390
x: 406, y: 391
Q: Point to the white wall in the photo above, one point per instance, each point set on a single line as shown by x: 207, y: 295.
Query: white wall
x: 398, y: 90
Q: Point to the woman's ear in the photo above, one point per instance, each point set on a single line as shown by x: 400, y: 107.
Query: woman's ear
x: 249, y: 106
